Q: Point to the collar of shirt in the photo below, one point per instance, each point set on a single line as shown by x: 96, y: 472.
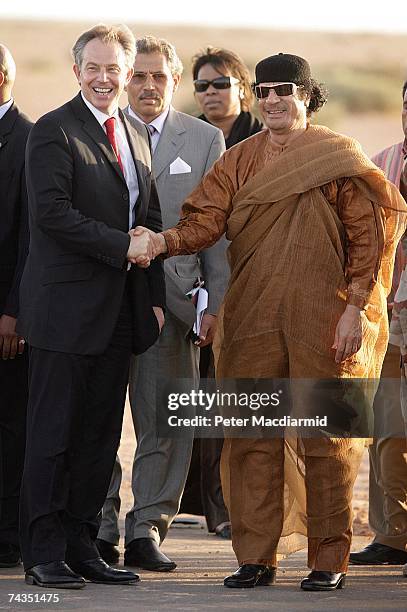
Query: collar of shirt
x: 102, y: 117
x: 5, y: 107
x: 158, y: 122
x: 129, y: 169
x: 99, y: 116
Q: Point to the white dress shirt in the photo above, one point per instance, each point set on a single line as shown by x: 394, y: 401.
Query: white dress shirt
x: 157, y: 124
x: 129, y: 168
x: 5, y: 107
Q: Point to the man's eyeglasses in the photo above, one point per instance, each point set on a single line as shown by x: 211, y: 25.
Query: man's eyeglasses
x: 281, y: 90
x: 141, y: 77
x: 222, y: 82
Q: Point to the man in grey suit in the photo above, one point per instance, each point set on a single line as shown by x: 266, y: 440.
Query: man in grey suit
x: 184, y: 149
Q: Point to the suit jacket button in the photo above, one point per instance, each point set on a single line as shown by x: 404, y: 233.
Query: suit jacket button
x: 125, y: 196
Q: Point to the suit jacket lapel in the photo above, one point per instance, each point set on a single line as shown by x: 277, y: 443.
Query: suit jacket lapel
x: 7, y: 123
x: 96, y: 132
x: 136, y: 145
x: 137, y: 137
x: 170, y: 143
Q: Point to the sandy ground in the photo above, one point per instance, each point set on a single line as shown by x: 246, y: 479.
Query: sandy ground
x: 196, y: 585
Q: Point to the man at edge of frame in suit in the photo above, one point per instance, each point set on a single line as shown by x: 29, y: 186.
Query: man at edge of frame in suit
x: 84, y: 308
x: 184, y: 149
x: 14, y: 130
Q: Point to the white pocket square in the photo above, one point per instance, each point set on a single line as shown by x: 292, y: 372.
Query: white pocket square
x: 178, y: 166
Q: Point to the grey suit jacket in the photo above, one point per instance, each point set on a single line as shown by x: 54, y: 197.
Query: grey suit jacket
x: 199, y: 145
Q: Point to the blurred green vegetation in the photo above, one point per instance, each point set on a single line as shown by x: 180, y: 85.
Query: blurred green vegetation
x: 360, y: 89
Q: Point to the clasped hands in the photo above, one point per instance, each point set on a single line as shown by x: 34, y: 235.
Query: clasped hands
x: 144, y: 246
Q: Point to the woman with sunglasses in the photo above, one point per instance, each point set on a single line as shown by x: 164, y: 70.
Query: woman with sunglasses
x: 313, y: 226
x: 223, y: 92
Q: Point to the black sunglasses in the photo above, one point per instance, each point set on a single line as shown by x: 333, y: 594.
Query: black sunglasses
x: 222, y: 82
x: 282, y: 89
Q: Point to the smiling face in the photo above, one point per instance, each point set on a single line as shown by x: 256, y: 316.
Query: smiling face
x: 283, y: 114
x: 152, y: 86
x: 103, y: 74
x: 216, y: 104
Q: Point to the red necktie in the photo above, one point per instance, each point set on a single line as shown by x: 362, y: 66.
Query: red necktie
x: 110, y: 127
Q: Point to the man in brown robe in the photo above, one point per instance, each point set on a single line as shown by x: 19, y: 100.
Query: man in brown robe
x: 313, y: 226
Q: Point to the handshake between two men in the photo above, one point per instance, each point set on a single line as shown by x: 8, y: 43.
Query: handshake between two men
x: 144, y: 246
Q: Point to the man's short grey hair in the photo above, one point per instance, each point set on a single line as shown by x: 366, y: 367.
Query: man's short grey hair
x: 107, y: 34
x: 151, y: 44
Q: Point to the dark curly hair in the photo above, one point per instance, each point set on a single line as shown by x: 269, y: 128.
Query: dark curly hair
x: 224, y: 60
x: 317, y: 93
x: 404, y: 89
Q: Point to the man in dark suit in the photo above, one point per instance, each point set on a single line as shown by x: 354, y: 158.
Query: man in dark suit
x: 84, y: 310
x: 14, y: 130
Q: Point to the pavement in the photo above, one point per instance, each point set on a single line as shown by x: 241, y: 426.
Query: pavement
x: 196, y: 584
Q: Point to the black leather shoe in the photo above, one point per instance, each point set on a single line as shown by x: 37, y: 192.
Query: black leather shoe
x: 248, y: 576
x: 323, y: 581
x: 96, y: 570
x: 107, y: 551
x: 55, y: 574
x: 145, y: 554
x: 378, y: 554
x: 9, y: 555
